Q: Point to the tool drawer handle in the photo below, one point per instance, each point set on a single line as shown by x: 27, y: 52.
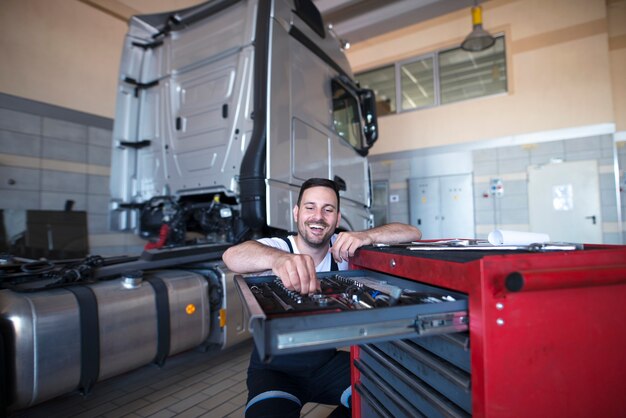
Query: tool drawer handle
x: 537, y: 280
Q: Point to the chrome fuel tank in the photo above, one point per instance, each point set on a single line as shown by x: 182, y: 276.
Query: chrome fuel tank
x: 58, y: 343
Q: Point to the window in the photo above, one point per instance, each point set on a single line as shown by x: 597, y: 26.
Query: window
x: 346, y: 116
x: 417, y: 84
x: 464, y: 75
x: 383, y: 82
x: 438, y: 78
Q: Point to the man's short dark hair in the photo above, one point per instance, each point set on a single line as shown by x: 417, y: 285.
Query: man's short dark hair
x: 319, y: 182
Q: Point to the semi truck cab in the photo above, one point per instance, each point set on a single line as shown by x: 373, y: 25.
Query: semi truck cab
x: 224, y: 110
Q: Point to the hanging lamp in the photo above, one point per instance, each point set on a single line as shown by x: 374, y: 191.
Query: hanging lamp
x: 479, y: 39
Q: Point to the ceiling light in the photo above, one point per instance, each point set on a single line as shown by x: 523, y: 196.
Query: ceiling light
x: 479, y: 39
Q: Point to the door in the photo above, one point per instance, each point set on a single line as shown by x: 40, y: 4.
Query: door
x: 380, y: 202
x: 564, y: 201
x: 442, y: 207
x: 303, y: 141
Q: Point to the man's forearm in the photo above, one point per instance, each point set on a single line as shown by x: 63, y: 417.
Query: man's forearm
x: 348, y: 242
x: 250, y: 257
x: 394, y: 233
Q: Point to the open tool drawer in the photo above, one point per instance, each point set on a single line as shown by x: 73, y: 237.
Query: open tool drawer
x: 354, y: 307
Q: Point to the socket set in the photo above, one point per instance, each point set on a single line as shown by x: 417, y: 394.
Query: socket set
x: 352, y: 307
x: 338, y: 293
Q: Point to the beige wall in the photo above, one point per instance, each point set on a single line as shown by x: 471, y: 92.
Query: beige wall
x: 67, y: 52
x: 60, y: 52
x: 560, y: 73
x: 566, y: 58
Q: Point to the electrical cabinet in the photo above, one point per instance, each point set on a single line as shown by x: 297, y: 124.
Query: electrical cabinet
x: 442, y: 206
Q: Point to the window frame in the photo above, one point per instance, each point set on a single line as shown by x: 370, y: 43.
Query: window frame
x: 398, y: 73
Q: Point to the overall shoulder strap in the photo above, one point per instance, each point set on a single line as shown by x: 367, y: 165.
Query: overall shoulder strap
x: 288, y: 241
x: 333, y: 264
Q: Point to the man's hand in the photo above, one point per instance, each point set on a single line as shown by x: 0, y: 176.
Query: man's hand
x: 297, y: 272
x: 347, y: 243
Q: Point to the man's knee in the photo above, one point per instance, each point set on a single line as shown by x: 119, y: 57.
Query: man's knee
x: 274, y: 403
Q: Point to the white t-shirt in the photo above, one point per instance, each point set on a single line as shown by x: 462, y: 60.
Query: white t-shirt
x: 280, y: 244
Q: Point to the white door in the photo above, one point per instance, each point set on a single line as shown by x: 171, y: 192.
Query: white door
x: 564, y: 201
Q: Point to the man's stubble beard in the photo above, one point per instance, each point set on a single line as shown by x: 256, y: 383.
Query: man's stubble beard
x: 313, y: 244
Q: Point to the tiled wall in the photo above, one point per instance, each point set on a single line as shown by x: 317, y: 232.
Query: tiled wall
x: 510, y: 211
x: 49, y: 155
x: 510, y: 163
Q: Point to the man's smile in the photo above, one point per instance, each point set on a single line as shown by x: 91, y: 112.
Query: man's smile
x: 317, y: 227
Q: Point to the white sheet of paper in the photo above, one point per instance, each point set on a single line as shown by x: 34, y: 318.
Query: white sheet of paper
x: 502, y: 237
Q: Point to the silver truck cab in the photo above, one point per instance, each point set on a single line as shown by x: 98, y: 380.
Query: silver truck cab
x: 224, y: 110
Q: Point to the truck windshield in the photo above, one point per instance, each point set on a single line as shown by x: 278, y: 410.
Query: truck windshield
x: 347, y: 116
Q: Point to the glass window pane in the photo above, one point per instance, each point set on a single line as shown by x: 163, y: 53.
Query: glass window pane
x: 465, y: 75
x: 383, y: 82
x: 346, y: 116
x: 418, y: 87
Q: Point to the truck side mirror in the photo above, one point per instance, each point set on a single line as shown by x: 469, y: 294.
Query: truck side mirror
x: 368, y: 110
x: 354, y: 113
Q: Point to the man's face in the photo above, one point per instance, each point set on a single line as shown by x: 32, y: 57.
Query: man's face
x: 317, y: 217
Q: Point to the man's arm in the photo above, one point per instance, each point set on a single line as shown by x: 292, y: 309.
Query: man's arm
x: 348, y: 242
x: 297, y: 271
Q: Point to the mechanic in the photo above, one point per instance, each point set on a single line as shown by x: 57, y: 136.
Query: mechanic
x: 281, y: 387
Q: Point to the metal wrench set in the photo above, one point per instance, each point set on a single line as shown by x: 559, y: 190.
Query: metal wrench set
x: 338, y: 293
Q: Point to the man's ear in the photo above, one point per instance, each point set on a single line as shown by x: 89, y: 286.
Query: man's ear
x: 295, y: 213
x: 338, y: 219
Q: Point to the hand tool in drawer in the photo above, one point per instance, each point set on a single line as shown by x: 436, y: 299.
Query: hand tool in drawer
x: 352, y: 307
x: 338, y: 293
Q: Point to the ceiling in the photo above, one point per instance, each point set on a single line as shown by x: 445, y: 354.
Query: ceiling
x: 358, y: 20
x: 353, y: 20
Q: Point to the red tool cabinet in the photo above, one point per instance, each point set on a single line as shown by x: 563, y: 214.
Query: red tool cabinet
x: 547, y: 336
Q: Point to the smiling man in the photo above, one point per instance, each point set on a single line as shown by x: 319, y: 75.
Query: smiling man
x: 282, y: 387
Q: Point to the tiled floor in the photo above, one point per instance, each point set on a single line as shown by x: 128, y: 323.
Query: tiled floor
x: 192, y: 384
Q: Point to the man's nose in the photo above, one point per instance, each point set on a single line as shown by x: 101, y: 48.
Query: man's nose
x: 318, y: 213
